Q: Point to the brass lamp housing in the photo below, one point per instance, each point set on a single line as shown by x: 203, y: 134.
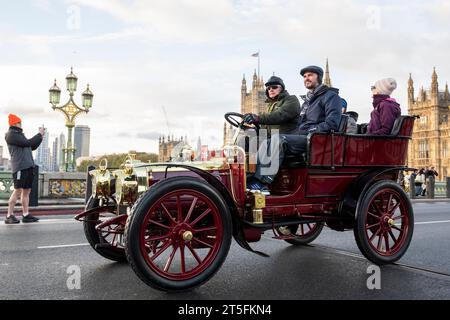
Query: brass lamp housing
x: 101, y: 181
x: 126, y: 183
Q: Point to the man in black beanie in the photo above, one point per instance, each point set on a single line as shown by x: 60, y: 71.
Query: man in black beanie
x: 283, y: 112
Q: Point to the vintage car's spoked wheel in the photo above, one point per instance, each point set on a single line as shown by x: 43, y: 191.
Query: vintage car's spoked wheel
x: 385, y: 223
x: 179, y: 234
x: 107, y: 241
x: 304, y: 233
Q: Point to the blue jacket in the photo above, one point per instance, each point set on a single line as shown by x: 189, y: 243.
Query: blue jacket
x: 322, y: 113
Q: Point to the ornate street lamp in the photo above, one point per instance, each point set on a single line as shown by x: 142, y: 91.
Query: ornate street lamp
x: 70, y: 111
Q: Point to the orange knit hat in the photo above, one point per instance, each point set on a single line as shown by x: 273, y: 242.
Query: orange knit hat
x: 13, y: 119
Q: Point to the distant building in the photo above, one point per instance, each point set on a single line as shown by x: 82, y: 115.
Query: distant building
x: 431, y: 136
x: 204, y: 155
x: 82, y: 137
x: 169, y: 146
x: 54, y: 164
x: 43, y: 154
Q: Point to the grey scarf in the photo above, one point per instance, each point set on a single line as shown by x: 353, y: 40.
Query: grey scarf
x: 311, y: 93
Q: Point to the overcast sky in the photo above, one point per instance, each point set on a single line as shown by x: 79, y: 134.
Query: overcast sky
x: 188, y: 57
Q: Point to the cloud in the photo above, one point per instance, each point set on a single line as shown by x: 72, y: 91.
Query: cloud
x: 149, y: 135
x: 189, y: 57
x: 44, y: 5
x: 184, y: 21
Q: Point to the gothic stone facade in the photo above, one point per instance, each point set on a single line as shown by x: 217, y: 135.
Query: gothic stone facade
x: 431, y: 137
x: 166, y: 147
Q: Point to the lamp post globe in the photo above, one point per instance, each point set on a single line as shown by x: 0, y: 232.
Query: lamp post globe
x: 87, y: 98
x: 72, y: 81
x: 55, y: 95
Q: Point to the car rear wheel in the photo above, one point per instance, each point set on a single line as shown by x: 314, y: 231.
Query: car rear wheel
x: 384, y: 223
x: 304, y: 233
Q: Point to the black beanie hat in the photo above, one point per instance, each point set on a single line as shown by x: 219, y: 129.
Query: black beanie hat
x: 275, y: 81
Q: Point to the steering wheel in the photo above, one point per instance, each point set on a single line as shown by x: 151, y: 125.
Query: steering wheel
x: 231, y: 119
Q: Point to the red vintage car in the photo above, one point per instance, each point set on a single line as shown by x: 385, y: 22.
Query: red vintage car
x: 174, y: 222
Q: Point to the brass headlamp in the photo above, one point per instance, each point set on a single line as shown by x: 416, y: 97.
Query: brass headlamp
x: 101, y: 180
x: 126, y: 183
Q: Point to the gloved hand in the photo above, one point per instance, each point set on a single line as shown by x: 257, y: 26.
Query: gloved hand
x: 251, y: 118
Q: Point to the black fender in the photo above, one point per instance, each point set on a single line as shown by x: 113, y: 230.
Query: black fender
x: 238, y: 229
x: 347, y: 208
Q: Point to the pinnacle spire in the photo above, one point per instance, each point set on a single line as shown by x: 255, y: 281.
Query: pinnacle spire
x: 434, y: 77
x: 327, y: 79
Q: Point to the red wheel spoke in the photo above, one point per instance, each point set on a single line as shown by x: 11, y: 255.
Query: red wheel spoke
x: 156, y: 238
x: 392, y: 236
x: 113, y: 239
x: 164, y: 248
x: 200, y: 217
x: 396, y: 228
x: 380, y: 239
x: 373, y: 215
x: 203, y: 243
x: 309, y: 226
x: 105, y: 235
x: 205, y: 229
x: 180, y: 210
x: 374, y: 235
x: 386, y: 242
x: 302, y: 229
x: 167, y: 212
x: 373, y: 225
x: 194, y: 254
x: 159, y: 224
x: 388, y: 207
x: 391, y: 212
x: 183, y: 262
x: 170, y: 260
x: 191, y: 209
x: 399, y: 217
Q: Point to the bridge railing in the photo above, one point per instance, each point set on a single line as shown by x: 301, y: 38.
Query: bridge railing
x: 50, y: 185
x: 433, y: 189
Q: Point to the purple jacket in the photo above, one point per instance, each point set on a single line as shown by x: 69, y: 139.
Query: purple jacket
x: 383, y: 116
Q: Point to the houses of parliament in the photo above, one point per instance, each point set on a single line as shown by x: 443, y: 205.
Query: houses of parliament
x: 431, y: 136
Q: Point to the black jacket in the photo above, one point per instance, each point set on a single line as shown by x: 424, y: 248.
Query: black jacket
x: 322, y: 113
x: 20, y: 148
x: 284, y: 114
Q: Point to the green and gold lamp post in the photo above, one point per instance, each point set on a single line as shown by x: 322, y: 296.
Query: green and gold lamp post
x: 70, y: 110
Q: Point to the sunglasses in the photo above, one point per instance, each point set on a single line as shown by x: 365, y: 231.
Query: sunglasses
x: 373, y: 88
x: 273, y: 87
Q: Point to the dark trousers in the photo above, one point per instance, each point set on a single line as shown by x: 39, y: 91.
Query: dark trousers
x: 270, y: 158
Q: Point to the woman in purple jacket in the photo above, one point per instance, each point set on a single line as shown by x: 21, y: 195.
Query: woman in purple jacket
x: 386, y: 109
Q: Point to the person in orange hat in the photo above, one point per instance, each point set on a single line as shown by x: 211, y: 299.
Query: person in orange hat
x: 22, y: 164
